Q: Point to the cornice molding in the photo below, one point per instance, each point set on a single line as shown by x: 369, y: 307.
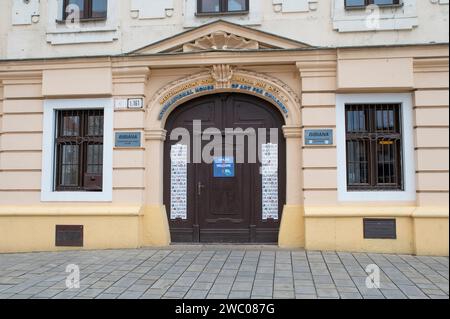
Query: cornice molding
x: 292, y: 131
x: 141, y: 72
x: 317, y: 68
x: 20, y: 76
x: 431, y: 64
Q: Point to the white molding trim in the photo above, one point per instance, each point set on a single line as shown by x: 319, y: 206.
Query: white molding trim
x: 48, y: 194
x: 409, y: 192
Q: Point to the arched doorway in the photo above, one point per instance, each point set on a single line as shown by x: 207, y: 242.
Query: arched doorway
x: 242, y: 203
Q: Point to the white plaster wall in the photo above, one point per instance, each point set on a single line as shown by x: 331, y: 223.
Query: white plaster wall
x: 128, y: 28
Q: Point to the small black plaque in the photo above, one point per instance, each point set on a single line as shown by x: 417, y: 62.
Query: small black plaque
x: 380, y: 228
x: 69, y: 236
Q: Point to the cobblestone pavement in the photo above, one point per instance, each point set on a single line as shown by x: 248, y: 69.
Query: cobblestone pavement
x: 198, y: 272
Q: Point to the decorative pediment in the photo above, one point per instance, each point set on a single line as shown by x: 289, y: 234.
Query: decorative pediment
x: 221, y: 36
x: 221, y: 40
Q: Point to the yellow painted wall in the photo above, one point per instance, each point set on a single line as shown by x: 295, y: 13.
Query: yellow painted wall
x: 37, y: 233
x: 431, y: 236
x: 346, y: 234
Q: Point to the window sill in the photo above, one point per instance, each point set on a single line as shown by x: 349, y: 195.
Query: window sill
x: 215, y: 14
x: 374, y: 190
x: 386, y: 6
x: 84, y: 20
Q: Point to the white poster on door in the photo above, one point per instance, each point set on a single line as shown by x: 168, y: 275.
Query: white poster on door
x: 178, y: 182
x: 269, y: 172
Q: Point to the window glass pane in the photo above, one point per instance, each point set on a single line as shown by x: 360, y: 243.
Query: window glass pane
x: 95, y: 125
x: 210, y: 6
x: 357, y: 118
x: 79, y: 4
x: 236, y: 5
x: 70, y: 165
x: 71, y: 126
x: 354, y: 3
x: 386, y: 117
x: 358, y: 162
x: 384, y: 2
x: 386, y: 153
x: 99, y: 8
x: 94, y: 159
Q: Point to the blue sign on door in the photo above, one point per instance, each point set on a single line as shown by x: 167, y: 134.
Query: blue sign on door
x: 224, y: 167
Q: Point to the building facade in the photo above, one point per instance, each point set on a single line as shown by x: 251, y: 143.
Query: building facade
x: 132, y: 123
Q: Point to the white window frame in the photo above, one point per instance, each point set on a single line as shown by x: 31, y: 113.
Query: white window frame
x: 48, y: 192
x: 408, y: 164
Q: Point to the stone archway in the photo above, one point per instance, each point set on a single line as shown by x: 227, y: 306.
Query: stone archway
x: 219, y: 79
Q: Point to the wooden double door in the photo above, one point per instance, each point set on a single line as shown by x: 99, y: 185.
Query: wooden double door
x: 227, y: 206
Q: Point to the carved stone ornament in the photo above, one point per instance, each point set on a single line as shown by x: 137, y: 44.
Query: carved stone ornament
x: 222, y: 75
x: 221, y: 41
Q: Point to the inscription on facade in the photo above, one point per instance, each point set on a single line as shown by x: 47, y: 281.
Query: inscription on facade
x: 237, y: 83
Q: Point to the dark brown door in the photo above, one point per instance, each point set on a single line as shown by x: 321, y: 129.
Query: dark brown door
x: 225, y: 209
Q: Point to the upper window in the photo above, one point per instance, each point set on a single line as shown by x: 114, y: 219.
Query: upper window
x: 374, y: 146
x: 79, y: 150
x: 222, y: 6
x: 364, y: 3
x: 89, y: 9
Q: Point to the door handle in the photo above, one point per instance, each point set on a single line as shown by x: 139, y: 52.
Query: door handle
x: 200, y: 186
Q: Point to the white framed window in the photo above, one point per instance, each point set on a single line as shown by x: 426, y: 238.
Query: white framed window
x: 193, y: 19
x: 48, y: 183
x: 408, y: 190
x: 89, y: 31
x: 371, y: 18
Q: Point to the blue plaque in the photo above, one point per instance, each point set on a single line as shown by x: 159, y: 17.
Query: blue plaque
x: 224, y: 167
x: 128, y: 139
x: 318, y: 137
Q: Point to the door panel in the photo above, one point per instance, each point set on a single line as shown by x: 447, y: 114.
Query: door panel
x: 225, y: 209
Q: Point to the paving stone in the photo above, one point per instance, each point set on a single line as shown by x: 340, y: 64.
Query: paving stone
x: 438, y: 297
x: 240, y: 294
x: 175, y: 294
x: 328, y: 293
x: 305, y: 290
x: 283, y: 294
x: 196, y: 294
x: 221, y: 288
x: 90, y: 293
x: 308, y: 297
x: 217, y: 297
x: 412, y: 291
x: 393, y: 294
x: 242, y: 286
x: 21, y: 296
x: 350, y: 295
x: 262, y: 291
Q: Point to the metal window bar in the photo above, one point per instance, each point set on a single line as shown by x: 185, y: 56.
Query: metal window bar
x: 374, y: 147
x: 79, y: 150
